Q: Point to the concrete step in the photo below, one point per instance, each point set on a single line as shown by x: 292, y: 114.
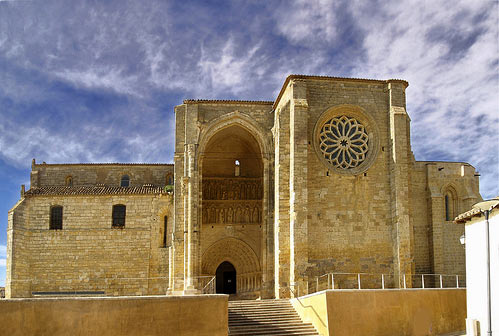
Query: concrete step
x: 260, y: 313
x: 277, y: 333
x: 266, y: 317
x: 295, y: 325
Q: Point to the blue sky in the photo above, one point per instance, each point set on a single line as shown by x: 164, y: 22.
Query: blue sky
x: 96, y: 81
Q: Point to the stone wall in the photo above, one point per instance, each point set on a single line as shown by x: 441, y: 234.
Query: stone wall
x: 446, y: 255
x: 157, y: 315
x: 88, y: 254
x: 388, y: 217
x: 91, y: 174
x: 385, y: 312
x: 200, y: 154
x: 349, y: 217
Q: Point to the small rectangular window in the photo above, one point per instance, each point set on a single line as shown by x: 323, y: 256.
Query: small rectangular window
x: 56, y: 218
x: 119, y: 214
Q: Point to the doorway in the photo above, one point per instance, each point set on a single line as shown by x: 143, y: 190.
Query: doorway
x: 226, y: 278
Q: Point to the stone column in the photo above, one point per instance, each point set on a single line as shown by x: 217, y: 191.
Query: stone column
x: 281, y: 204
x: 191, y: 199
x: 436, y: 211
x: 298, y: 202
x: 403, y: 238
x: 267, y: 230
x: 176, y: 254
x: 191, y: 220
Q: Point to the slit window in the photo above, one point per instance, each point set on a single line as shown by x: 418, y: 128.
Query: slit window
x: 125, y: 181
x: 165, y: 230
x: 447, y: 213
x: 119, y: 214
x: 56, y: 218
x: 69, y: 181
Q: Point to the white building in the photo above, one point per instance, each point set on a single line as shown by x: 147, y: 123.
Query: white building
x: 477, y: 267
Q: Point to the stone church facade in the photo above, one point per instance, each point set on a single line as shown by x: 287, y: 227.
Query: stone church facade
x: 264, y: 195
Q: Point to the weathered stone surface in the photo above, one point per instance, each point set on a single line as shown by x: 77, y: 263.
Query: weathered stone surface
x: 265, y: 182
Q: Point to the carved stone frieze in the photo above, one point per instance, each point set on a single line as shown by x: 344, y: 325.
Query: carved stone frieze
x: 232, y: 201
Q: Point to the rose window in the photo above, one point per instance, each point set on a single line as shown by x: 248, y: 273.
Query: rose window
x: 343, y: 142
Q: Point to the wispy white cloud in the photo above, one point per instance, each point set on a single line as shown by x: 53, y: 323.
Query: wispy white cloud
x: 228, y: 69
x: 145, y: 51
x: 305, y: 22
x: 3, y: 251
x: 448, y: 55
x: 101, y: 78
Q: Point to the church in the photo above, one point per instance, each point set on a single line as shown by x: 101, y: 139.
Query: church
x: 263, y: 198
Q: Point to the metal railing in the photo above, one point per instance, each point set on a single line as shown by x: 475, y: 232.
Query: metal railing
x: 111, y: 286
x: 341, y: 280
x: 210, y: 287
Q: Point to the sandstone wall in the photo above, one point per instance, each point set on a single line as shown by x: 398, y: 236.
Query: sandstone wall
x: 88, y: 254
x: 197, y: 122
x: 385, y: 312
x: 440, y: 178
x: 91, y: 174
x: 183, y: 316
x: 349, y: 217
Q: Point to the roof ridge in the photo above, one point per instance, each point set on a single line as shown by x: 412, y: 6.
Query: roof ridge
x: 229, y: 101
x: 104, y: 164
x: 94, y: 190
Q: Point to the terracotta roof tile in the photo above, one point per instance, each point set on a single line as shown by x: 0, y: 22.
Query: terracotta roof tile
x: 468, y: 215
x: 103, y: 164
x: 94, y: 190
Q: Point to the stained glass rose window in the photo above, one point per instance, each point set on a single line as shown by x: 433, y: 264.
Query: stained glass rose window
x: 344, y: 142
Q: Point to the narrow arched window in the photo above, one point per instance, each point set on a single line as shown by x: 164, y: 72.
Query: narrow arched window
x: 119, y: 214
x: 237, y: 167
x: 69, y: 181
x: 169, y: 179
x: 55, y: 218
x: 125, y: 181
x: 449, y: 206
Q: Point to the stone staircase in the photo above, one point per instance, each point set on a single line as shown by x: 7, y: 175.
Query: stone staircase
x: 266, y: 317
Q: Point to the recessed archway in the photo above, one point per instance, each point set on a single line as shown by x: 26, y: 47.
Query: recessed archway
x: 231, y: 163
x: 226, y: 278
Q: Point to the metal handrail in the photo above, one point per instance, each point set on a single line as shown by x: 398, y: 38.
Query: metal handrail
x: 210, y: 283
x: 331, y: 278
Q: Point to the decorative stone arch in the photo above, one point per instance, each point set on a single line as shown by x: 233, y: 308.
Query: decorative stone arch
x: 261, y: 270
x: 233, y: 250
x: 235, y: 118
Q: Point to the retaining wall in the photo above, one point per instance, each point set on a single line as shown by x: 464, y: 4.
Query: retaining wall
x: 385, y: 312
x: 154, y: 315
